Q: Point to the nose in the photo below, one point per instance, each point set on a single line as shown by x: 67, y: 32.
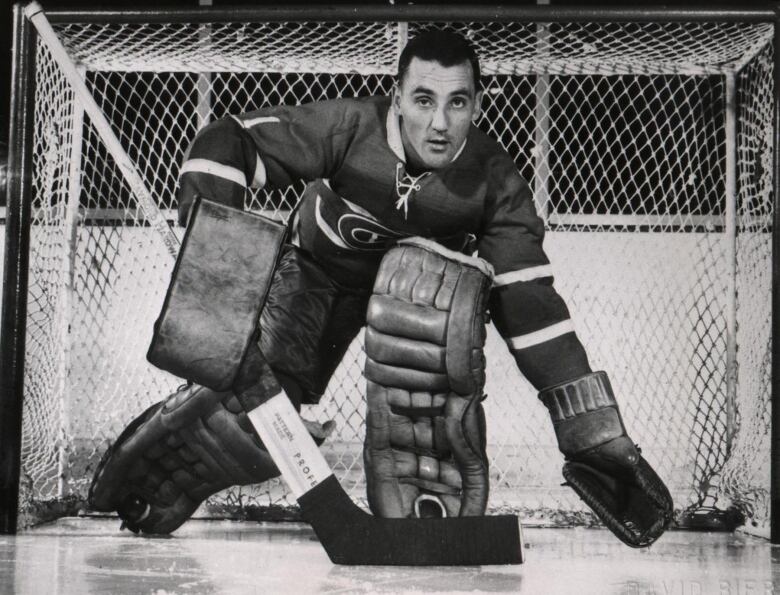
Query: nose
x: 440, y: 121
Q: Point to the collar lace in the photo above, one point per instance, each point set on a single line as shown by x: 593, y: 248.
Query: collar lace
x: 405, y: 186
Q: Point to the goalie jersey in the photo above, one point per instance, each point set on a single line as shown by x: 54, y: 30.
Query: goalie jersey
x: 361, y: 198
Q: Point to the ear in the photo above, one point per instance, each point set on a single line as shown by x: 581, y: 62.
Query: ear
x: 477, y: 106
x: 396, y: 98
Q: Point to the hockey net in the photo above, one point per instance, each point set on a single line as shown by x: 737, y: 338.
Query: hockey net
x: 649, y: 150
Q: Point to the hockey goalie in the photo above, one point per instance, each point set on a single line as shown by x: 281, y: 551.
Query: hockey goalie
x: 379, y: 170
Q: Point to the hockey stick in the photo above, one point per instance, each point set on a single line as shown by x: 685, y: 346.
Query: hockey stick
x: 348, y: 534
x: 352, y: 536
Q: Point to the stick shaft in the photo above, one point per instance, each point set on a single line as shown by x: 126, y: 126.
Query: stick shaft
x: 290, y: 445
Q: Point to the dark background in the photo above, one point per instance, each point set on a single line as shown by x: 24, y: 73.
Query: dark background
x: 6, y: 31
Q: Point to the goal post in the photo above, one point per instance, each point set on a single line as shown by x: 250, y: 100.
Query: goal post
x: 15, y: 265
x: 648, y: 136
x: 775, y: 367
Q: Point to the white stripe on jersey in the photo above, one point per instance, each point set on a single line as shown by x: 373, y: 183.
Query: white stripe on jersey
x: 259, y: 120
x: 260, y: 177
x: 206, y: 166
x: 542, y: 335
x: 326, y: 229
x: 295, y: 235
x: 529, y: 274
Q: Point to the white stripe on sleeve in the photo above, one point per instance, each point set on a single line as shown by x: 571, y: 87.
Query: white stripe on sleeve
x: 542, y: 335
x: 206, y: 166
x: 528, y: 274
x: 259, y: 120
x: 326, y: 229
x: 260, y: 177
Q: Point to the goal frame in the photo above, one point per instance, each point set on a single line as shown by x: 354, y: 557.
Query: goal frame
x: 19, y: 187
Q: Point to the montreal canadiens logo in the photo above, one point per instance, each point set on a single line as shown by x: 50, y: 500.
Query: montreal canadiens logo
x: 360, y: 233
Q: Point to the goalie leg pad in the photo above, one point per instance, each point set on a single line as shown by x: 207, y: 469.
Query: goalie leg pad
x: 603, y: 465
x: 176, y: 454
x: 425, y: 432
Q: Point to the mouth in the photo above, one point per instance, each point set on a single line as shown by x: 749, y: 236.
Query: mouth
x: 438, y: 145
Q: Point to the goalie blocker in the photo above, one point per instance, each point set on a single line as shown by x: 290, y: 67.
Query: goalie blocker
x: 348, y: 534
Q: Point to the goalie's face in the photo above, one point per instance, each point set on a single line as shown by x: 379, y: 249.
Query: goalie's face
x: 437, y: 105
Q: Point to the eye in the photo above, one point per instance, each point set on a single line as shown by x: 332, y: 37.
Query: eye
x: 423, y: 101
x: 458, y: 103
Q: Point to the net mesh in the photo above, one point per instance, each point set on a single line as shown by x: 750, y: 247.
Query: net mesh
x: 648, y: 147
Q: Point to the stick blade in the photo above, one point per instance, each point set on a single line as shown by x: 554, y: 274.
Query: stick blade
x: 352, y: 536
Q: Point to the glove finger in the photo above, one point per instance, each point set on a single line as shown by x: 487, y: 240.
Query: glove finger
x: 653, y: 486
x: 626, y: 509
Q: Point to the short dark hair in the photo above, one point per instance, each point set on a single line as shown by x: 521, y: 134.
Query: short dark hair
x: 445, y: 47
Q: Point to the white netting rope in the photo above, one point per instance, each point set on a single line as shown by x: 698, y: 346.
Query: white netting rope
x: 745, y: 477
x: 509, y: 48
x: 633, y: 190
